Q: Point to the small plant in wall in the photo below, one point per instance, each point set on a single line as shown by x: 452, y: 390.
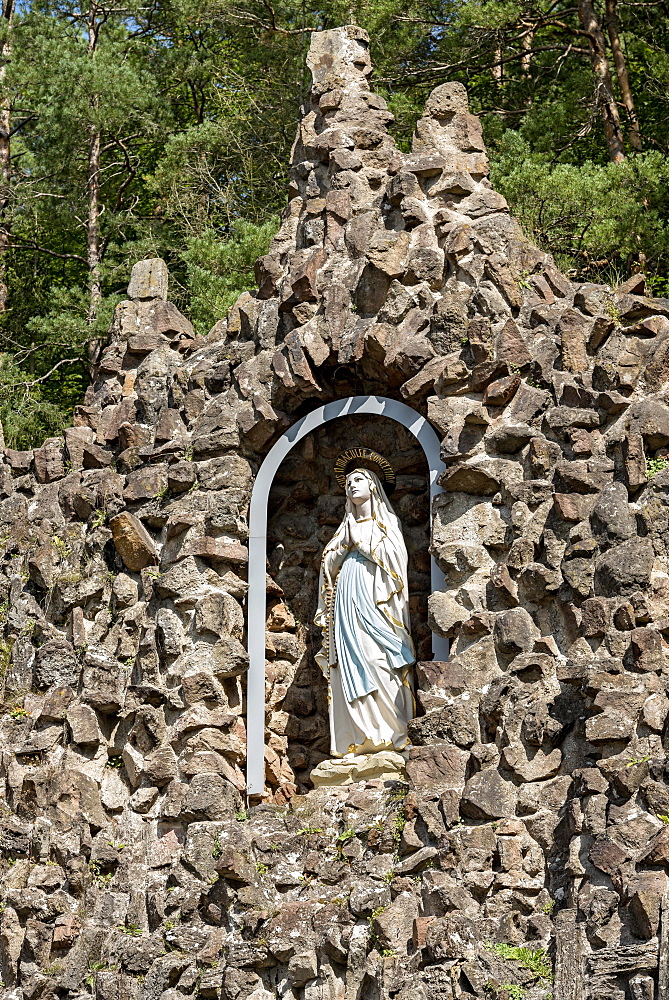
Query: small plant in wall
x: 397, y: 794
x: 94, y: 968
x: 100, y: 879
x: 98, y: 518
x: 655, y: 465
x: 633, y: 761
x: 536, y: 960
x: 398, y: 827
x: 343, y: 837
x: 505, y: 991
x: 131, y: 929
x: 53, y: 969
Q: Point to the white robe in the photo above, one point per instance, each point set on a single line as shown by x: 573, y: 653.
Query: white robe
x: 367, y: 652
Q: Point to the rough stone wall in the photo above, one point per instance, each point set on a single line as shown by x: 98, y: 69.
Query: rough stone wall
x: 536, y: 807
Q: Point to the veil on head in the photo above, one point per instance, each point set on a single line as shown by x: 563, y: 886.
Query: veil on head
x: 380, y: 502
x: 382, y: 512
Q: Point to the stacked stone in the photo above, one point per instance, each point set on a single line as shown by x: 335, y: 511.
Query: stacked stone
x: 536, y: 809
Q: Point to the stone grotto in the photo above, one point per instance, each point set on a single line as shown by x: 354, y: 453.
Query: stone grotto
x: 522, y: 849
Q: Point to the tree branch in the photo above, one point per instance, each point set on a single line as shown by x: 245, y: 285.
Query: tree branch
x: 32, y: 245
x: 9, y: 389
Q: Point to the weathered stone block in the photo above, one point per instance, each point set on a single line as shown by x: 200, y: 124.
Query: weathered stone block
x: 149, y: 279
x: 83, y: 724
x: 56, y: 664
x: 609, y: 725
x: 514, y: 632
x: 488, y: 796
x: 210, y: 797
x: 133, y: 542
x: 625, y: 568
x: 536, y: 766
x: 437, y: 767
x: 394, y: 926
x: 49, y: 463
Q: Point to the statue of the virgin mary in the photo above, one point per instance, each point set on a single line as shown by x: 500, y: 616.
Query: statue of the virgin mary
x: 363, y: 612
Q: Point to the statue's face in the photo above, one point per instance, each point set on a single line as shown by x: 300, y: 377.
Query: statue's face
x: 358, y: 487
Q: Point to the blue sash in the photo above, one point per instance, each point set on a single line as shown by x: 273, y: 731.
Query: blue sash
x: 355, y: 611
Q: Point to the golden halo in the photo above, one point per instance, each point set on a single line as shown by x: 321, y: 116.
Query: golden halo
x: 364, y: 458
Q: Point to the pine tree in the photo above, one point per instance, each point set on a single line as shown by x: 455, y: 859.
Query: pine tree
x: 165, y: 129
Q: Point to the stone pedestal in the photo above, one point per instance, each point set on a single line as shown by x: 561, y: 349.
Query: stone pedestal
x: 386, y: 765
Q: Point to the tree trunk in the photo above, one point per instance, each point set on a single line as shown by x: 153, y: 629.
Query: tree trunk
x: 5, y: 149
x: 93, y: 215
x: 621, y: 72
x: 600, y: 67
x: 93, y: 223
x: 526, y: 43
x: 496, y: 68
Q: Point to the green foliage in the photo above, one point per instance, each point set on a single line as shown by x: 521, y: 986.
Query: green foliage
x: 655, y: 465
x: 510, y: 991
x: 219, y: 270
x: 102, y: 880
x: 94, y: 968
x: 534, y: 959
x: 26, y: 414
x: 341, y: 840
x: 398, y: 793
x: 5, y: 656
x: 595, y: 218
x: 130, y: 929
x: 398, y: 827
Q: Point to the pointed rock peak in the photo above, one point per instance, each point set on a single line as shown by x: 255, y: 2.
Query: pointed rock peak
x: 384, y: 257
x: 339, y: 58
x: 345, y: 125
x: 341, y: 114
x: 447, y: 127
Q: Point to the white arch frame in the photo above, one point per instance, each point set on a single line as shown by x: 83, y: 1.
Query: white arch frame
x: 257, y: 595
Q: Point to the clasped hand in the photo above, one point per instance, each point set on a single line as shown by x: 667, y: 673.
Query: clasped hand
x: 353, y: 532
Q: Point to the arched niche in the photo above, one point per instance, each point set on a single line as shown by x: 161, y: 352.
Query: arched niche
x: 257, y: 596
